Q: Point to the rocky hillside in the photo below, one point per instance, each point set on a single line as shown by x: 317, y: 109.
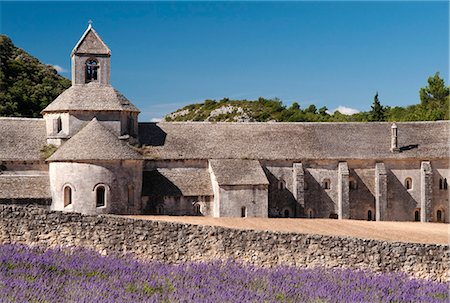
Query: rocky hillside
x: 434, y: 105
x: 26, y: 85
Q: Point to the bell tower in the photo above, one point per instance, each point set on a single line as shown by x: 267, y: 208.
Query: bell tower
x: 91, y: 59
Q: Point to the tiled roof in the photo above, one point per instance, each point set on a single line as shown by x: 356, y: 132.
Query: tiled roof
x: 238, y: 172
x: 90, y: 97
x: 296, y: 141
x: 177, y: 182
x: 21, y: 139
x: 14, y: 186
x: 94, y: 142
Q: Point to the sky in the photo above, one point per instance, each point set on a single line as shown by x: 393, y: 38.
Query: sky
x: 166, y: 55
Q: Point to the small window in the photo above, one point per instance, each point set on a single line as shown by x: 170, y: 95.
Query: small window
x: 310, y: 213
x: 369, y: 215
x: 305, y: 185
x: 326, y: 184
x: 281, y: 184
x: 91, y: 70
x: 101, y: 196
x: 408, y: 183
x: 417, y: 215
x: 159, y: 209
x: 67, y: 196
x: 287, y: 213
x: 439, y: 216
x: 445, y: 184
x: 243, y: 212
x: 197, y: 209
x: 441, y: 183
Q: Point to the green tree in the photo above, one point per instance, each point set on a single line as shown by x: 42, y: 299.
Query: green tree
x: 434, y: 99
x: 434, y: 92
x: 377, y: 113
x: 26, y: 85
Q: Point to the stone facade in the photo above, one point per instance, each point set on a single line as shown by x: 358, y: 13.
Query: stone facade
x: 113, y: 164
x: 177, y: 243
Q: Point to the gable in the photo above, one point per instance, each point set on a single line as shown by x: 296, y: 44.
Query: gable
x: 91, y: 43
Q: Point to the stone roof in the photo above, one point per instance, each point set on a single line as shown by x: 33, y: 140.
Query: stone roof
x: 94, y: 142
x: 177, y: 182
x: 91, y: 43
x: 24, y: 186
x: 21, y: 139
x: 238, y: 172
x: 293, y: 141
x: 90, y: 97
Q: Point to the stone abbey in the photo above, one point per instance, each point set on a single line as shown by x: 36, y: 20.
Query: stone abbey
x: 108, y: 162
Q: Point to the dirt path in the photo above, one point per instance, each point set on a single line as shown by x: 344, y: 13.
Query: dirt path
x: 391, y: 231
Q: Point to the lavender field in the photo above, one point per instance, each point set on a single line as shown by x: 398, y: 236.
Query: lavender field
x: 38, y: 275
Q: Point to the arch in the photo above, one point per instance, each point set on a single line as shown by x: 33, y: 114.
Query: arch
x: 100, y: 194
x: 326, y: 184
x: 287, y: 213
x: 197, y: 209
x: 334, y: 216
x: 57, y: 125
x: 92, y: 67
x: 310, y: 213
x: 281, y: 184
x: 417, y: 215
x: 67, y: 195
x: 445, y: 184
x: 408, y: 183
x: 369, y: 215
x: 243, y: 212
x: 440, y: 215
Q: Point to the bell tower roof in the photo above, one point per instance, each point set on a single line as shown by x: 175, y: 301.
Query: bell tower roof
x: 91, y: 43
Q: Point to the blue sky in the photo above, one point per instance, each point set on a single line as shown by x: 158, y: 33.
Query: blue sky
x: 169, y: 54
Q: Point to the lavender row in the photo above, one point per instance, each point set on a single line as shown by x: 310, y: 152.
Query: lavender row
x: 80, y: 275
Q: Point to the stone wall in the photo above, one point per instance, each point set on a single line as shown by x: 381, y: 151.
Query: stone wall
x: 177, y: 242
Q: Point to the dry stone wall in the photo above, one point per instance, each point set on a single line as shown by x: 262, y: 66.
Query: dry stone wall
x: 177, y: 242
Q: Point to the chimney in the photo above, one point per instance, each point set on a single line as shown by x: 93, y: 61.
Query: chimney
x: 394, y: 139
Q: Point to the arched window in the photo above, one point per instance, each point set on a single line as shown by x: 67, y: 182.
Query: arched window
x: 417, y: 215
x: 91, y: 70
x: 369, y: 215
x: 441, y: 183
x: 243, y: 211
x: 445, y: 184
x: 408, y: 183
x: 310, y: 213
x: 101, y: 196
x: 67, y: 195
x: 305, y: 185
x: 197, y: 209
x: 439, y: 216
x: 281, y: 184
x: 326, y: 184
x: 287, y: 213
